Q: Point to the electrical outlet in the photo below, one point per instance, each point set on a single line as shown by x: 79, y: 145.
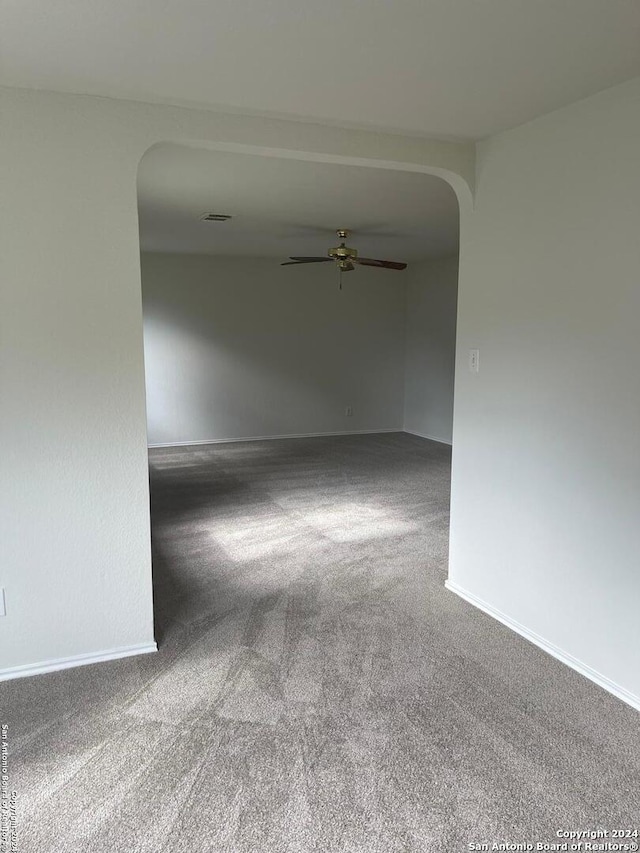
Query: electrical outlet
x: 349, y: 411
x: 3, y: 608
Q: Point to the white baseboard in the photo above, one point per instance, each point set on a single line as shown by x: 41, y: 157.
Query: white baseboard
x: 77, y: 660
x: 546, y: 646
x: 274, y: 437
x: 424, y: 435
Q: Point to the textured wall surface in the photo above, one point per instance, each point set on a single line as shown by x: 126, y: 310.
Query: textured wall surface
x: 241, y: 348
x: 546, y: 470
x: 432, y: 295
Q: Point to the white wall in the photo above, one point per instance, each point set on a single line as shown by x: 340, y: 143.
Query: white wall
x: 432, y: 294
x: 546, y: 466
x: 243, y: 348
x: 74, y: 537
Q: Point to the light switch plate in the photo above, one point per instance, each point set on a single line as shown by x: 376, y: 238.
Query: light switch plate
x: 474, y: 360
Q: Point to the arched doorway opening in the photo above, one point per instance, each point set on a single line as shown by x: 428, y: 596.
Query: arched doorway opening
x: 238, y: 349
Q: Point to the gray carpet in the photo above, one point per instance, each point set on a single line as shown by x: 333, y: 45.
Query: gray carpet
x: 317, y: 688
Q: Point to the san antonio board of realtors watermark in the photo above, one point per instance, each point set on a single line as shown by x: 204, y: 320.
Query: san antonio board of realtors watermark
x: 580, y: 840
x: 8, y: 832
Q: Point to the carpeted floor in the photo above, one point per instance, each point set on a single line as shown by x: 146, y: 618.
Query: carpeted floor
x: 317, y: 688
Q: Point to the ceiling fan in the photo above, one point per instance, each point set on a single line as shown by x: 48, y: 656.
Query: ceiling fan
x: 345, y: 258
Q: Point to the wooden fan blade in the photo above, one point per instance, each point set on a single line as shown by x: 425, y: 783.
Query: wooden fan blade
x: 303, y: 260
x: 387, y: 265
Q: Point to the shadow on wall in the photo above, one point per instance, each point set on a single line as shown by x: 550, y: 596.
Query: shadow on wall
x: 238, y: 348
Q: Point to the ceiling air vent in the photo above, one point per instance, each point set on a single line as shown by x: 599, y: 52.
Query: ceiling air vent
x: 215, y: 217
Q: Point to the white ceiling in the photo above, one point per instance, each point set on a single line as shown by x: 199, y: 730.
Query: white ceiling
x: 453, y: 68
x: 283, y: 207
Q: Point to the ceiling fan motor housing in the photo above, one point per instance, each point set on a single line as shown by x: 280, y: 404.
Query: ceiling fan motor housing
x: 343, y: 254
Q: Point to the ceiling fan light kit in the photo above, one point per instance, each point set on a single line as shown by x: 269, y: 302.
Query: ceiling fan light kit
x: 345, y: 258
